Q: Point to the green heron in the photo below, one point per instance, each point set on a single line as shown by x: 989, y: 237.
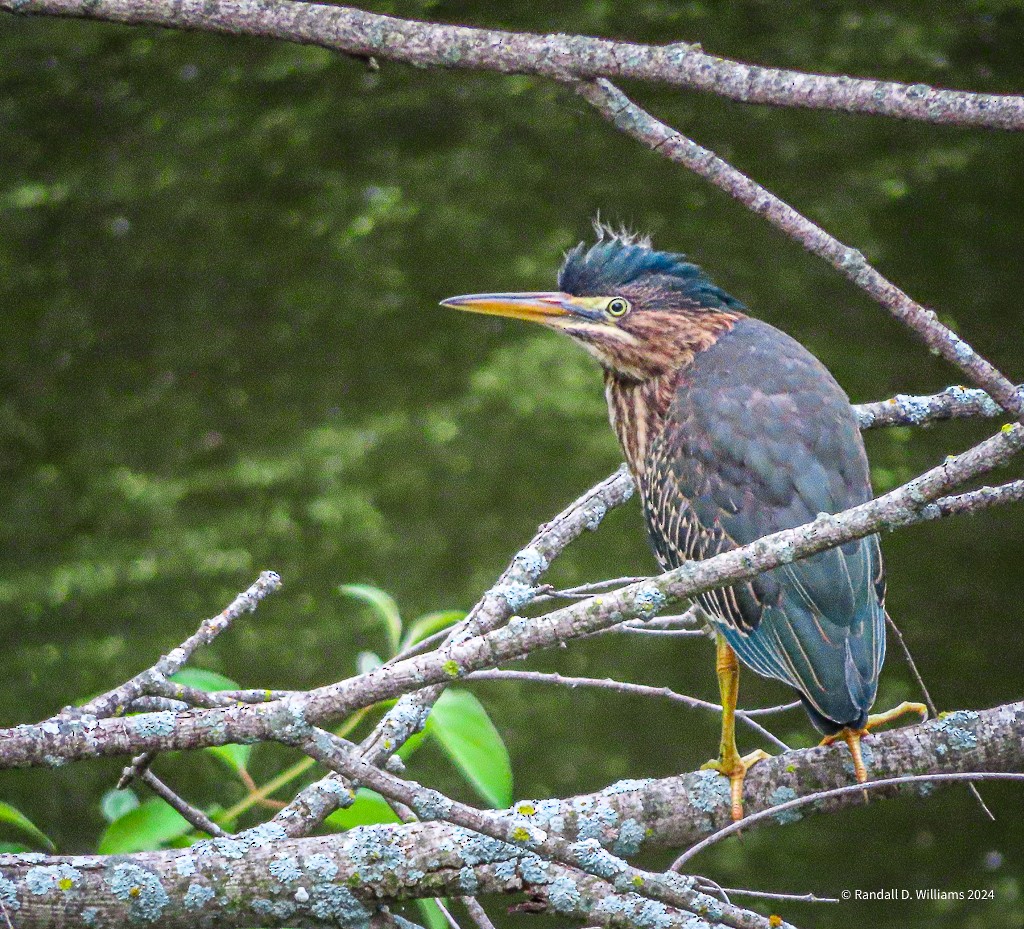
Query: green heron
x: 732, y: 430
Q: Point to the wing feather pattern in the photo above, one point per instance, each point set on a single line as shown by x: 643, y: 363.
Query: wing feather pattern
x: 760, y: 438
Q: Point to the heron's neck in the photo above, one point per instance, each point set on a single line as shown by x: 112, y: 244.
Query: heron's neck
x: 638, y: 407
x: 637, y: 410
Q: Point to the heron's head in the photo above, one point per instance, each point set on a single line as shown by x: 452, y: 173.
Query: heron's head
x: 637, y: 310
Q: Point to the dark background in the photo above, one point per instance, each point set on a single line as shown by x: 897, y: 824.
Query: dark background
x: 221, y: 351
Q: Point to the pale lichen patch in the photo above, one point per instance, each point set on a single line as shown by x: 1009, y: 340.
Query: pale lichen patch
x: 629, y: 839
x: 140, y: 889
x: 197, y: 896
x: 564, y: 895
x: 285, y: 869
x: 153, y: 725
x: 9, y: 894
x: 783, y: 795
x: 321, y: 866
x: 44, y: 879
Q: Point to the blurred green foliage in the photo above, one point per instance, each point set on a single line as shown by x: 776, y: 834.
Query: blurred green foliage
x: 220, y: 351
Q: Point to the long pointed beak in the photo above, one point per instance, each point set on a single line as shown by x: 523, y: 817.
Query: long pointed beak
x: 544, y: 307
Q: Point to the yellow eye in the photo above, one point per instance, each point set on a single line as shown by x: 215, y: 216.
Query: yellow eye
x: 617, y: 307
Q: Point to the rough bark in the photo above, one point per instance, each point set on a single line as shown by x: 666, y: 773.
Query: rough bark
x: 262, y: 876
x: 425, y: 45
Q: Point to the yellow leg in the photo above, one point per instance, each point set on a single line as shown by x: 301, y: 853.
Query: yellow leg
x: 729, y: 761
x: 852, y: 737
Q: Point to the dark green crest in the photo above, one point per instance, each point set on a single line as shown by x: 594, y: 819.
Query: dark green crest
x: 619, y: 259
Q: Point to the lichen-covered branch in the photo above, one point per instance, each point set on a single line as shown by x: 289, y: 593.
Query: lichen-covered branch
x: 519, y: 831
x: 261, y: 878
x: 951, y: 403
x: 66, y: 739
x: 264, y: 877
x: 982, y: 499
x: 927, y: 782
x: 363, y: 34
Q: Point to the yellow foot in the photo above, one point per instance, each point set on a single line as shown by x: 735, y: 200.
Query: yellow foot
x: 880, y: 719
x: 852, y: 737
x: 735, y: 769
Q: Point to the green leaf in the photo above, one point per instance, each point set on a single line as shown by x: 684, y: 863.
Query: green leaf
x: 235, y: 757
x: 14, y: 848
x: 368, y: 810
x: 18, y: 820
x: 149, y: 826
x: 430, y: 623
x: 462, y: 728
x: 433, y: 918
x: 382, y: 605
x: 116, y: 803
x: 201, y: 679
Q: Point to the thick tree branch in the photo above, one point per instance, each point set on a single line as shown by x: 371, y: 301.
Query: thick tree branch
x: 370, y: 35
x: 263, y: 877
x: 520, y: 832
x: 779, y: 813
x: 951, y: 403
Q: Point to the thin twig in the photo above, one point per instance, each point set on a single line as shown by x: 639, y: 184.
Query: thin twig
x: 582, y: 591
x: 418, y: 648
x: 770, y: 895
x: 452, y: 921
x: 711, y: 887
x: 627, y: 629
x: 193, y: 696
x: 383, y: 918
x: 624, y: 687
x: 929, y: 702
x: 477, y: 913
x: 115, y: 701
x: 138, y: 767
x: 195, y: 817
x: 983, y: 498
x: 912, y: 665
x: 693, y: 623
